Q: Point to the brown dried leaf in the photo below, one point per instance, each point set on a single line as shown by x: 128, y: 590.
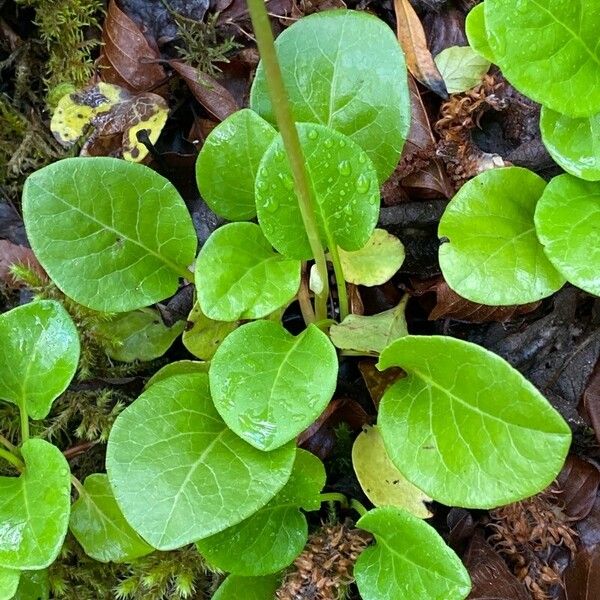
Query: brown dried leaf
x: 591, y: 400
x: 582, y: 577
x: 418, y: 57
x: 12, y: 254
x: 127, y: 57
x: 215, y: 98
x: 578, y: 481
x: 377, y: 381
x: 450, y: 305
x: 492, y: 579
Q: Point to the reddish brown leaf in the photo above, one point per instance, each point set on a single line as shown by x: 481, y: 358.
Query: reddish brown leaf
x: 491, y: 577
x: 591, y: 400
x: 128, y: 58
x: 418, y: 57
x: 578, y: 481
x: 12, y: 254
x: 582, y: 577
x: 319, y: 438
x: 215, y: 98
x: 449, y: 304
x: 377, y: 381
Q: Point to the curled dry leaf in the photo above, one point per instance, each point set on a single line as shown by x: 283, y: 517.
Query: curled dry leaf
x: 418, y: 57
x: 127, y: 57
x: 215, y: 98
x: 116, y: 118
x: 13, y: 254
x: 578, y: 481
x: 449, y: 305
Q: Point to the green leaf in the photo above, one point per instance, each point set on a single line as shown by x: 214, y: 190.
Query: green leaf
x: 567, y: 220
x: 205, y: 336
x: 380, y: 480
x: 376, y: 262
x: 493, y: 255
x: 34, y: 508
x: 171, y: 451
x: 100, y: 527
x: 38, y: 355
x: 268, y: 385
x: 467, y: 428
x: 112, y: 235
x: 548, y: 50
x: 477, y: 34
x: 573, y: 143
x: 238, y: 275
x: 346, y: 70
x: 410, y: 560
x: 345, y: 189
x: 370, y: 334
x: 34, y: 585
x: 250, y: 588
x: 179, y: 367
x: 240, y: 140
x: 461, y: 68
x: 139, y: 335
x: 274, y: 536
x: 9, y: 582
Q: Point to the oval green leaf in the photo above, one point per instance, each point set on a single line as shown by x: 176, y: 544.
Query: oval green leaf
x: 573, y: 143
x: 461, y: 68
x: 476, y: 32
x: 205, y: 336
x: 250, y: 588
x: 268, y: 385
x: 410, y: 560
x: 346, y: 70
x: 493, y: 255
x: 376, y: 262
x: 112, y: 235
x: 467, y: 428
x: 9, y: 582
x: 171, y: 451
x: 345, y: 189
x: 548, y: 49
x: 228, y: 161
x: 138, y: 335
x: 34, y: 585
x: 380, y: 480
x: 34, y: 508
x: 100, y: 527
x: 274, y: 536
x: 239, y: 276
x: 567, y: 220
x: 39, y: 354
x: 179, y: 367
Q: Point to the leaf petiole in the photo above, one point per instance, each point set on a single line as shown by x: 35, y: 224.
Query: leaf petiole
x: 12, y: 459
x: 24, y: 423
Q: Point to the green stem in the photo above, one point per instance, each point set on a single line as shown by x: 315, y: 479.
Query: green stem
x: 358, y: 507
x: 306, y: 308
x: 335, y: 497
x: 78, y: 485
x: 291, y: 143
x: 24, y: 423
x: 340, y: 281
x: 12, y: 459
x: 10, y: 447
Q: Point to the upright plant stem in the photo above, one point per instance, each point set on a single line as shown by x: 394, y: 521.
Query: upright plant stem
x: 12, y: 459
x: 10, y: 447
x: 291, y: 142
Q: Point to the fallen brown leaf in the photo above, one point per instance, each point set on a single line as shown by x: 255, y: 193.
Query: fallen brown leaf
x: 377, y: 381
x: 578, y: 481
x: 449, y: 304
x: 591, y: 400
x: 127, y: 57
x: 582, y: 577
x: 418, y: 57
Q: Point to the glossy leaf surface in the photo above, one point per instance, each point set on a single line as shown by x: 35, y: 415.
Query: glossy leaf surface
x: 410, y: 561
x: 205, y: 335
x: 240, y: 140
x: 9, y: 582
x: 252, y: 588
x: 567, y: 220
x: 270, y: 539
x: 34, y: 508
x: 548, y: 49
x: 461, y: 67
x: 345, y: 69
x: 100, y: 527
x: 269, y: 385
x: 179, y: 367
x: 573, y: 142
x: 170, y: 450
x: 38, y: 355
x: 380, y: 480
x: 239, y: 276
x: 376, y: 262
x: 114, y: 236
x: 466, y: 427
x: 493, y: 255
x: 476, y: 32
x: 345, y: 189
